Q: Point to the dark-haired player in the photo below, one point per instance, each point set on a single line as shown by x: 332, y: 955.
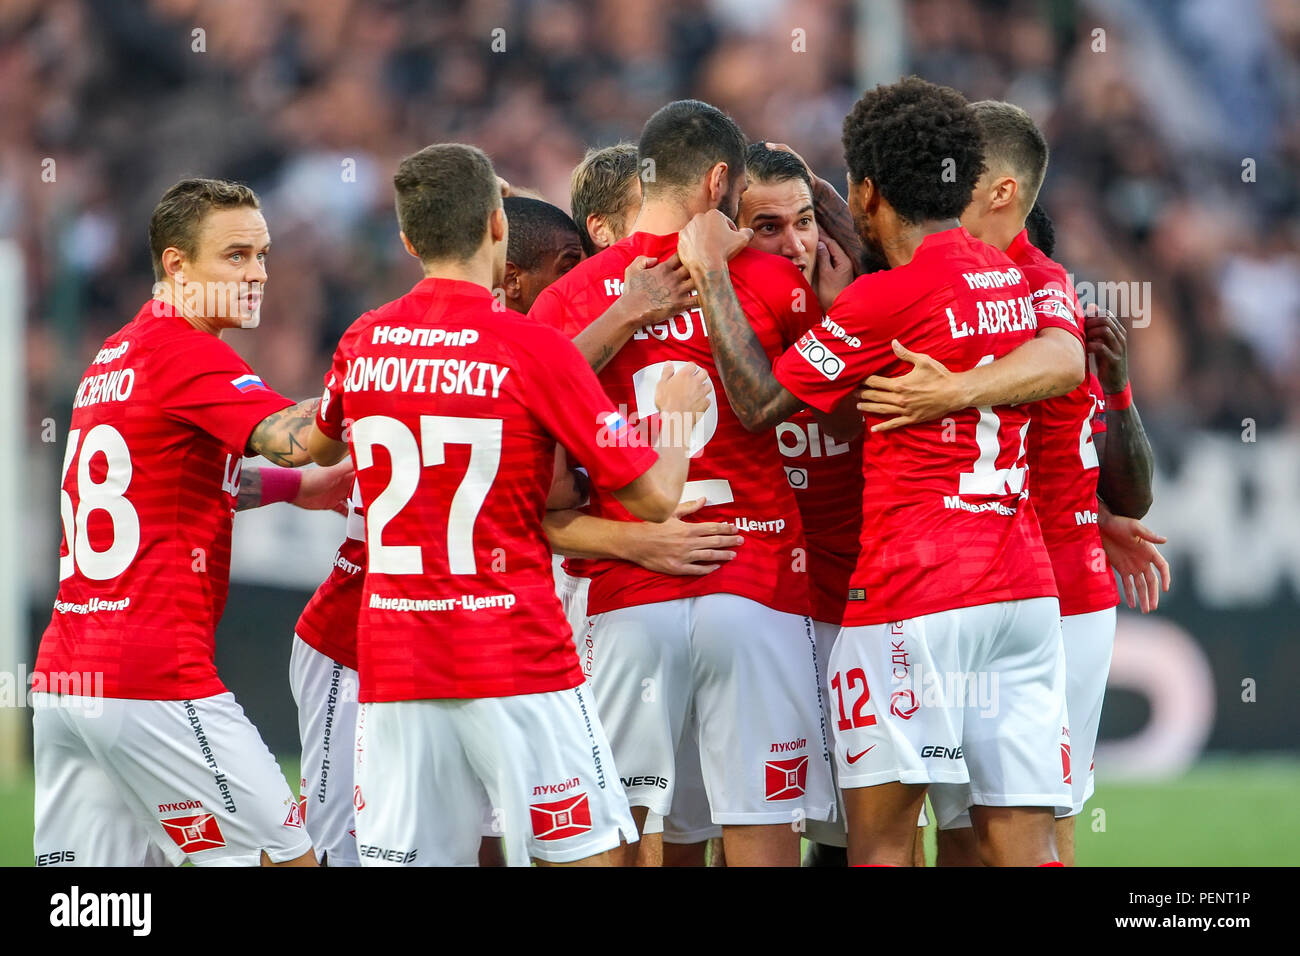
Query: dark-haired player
x: 543, y: 245
x: 451, y: 409
x: 605, y: 195
x: 733, y: 643
x: 165, y: 766
x: 825, y: 474
x: 953, y: 581
x: 1068, y: 451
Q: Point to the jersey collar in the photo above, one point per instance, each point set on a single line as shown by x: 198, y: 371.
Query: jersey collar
x: 1019, y: 246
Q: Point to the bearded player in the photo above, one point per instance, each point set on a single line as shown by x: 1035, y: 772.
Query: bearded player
x: 734, y: 644
x: 953, y: 579
x: 166, y: 767
x: 451, y: 409
x: 1068, y: 450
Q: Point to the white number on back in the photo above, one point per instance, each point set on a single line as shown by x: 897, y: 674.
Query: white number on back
x: 483, y: 435
x: 1087, y: 450
x: 716, y: 491
x: 107, y: 495
x: 986, y: 478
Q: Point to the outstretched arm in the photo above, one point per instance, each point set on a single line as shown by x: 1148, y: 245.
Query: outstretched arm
x: 312, y: 489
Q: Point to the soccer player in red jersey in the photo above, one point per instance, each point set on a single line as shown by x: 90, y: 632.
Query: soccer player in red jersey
x: 605, y: 196
x: 778, y: 205
x: 1067, y: 448
x: 953, y: 584
x: 162, y: 765
x: 826, y: 475
x: 451, y: 408
x: 734, y: 643
x: 543, y: 244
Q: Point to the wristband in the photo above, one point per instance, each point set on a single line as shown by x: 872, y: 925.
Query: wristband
x: 279, y: 484
x: 1120, y: 400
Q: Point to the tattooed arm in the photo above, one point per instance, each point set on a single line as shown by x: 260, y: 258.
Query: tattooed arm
x: 312, y: 489
x: 757, y: 398
x: 281, y: 438
x: 250, y: 488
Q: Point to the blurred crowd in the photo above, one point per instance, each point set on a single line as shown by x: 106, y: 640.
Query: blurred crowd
x: 1175, y: 133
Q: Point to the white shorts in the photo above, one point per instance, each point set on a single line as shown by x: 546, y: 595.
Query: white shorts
x: 751, y: 675
x: 540, y: 763
x: 152, y: 782
x: 1089, y: 640
x: 689, y: 820
x: 970, y: 700
x: 828, y: 832
x: 835, y: 832
x: 326, y: 694
x: 572, y: 592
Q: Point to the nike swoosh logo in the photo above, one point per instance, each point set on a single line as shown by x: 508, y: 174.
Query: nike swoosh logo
x: 854, y: 758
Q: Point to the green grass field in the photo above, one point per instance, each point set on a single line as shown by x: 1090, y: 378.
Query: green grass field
x: 1225, y: 812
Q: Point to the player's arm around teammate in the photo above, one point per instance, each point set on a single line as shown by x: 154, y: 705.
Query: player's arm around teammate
x: 671, y: 547
x: 312, y: 489
x: 760, y: 402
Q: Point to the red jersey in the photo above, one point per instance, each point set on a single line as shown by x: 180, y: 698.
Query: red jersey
x: 160, y: 424
x: 737, y: 471
x: 452, y: 410
x: 946, y: 518
x: 826, y: 476
x: 329, y: 621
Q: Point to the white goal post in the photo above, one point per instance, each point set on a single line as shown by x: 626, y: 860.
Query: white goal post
x: 14, y: 718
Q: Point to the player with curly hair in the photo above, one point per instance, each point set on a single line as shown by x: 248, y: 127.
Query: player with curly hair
x: 949, y: 673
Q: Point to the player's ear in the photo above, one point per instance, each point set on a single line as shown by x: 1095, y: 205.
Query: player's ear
x: 173, y: 262
x: 497, y: 224
x: 406, y: 244
x: 1005, y: 192
x: 601, y: 235
x: 717, y: 183
x: 862, y: 195
x: 511, y: 283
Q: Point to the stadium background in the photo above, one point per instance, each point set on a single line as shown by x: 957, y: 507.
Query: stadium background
x: 1176, y: 142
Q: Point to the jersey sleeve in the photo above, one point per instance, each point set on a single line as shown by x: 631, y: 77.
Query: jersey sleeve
x: 208, y: 386
x: 1055, y: 304
x: 567, y: 399
x: 329, y: 417
x: 820, y: 369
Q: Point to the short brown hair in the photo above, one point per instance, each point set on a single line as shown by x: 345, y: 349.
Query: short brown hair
x: 445, y: 193
x: 179, y: 214
x: 1012, y: 141
x: 599, y: 187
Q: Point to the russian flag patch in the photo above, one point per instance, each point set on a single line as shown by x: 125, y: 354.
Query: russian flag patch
x: 246, y: 383
x: 615, y: 422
